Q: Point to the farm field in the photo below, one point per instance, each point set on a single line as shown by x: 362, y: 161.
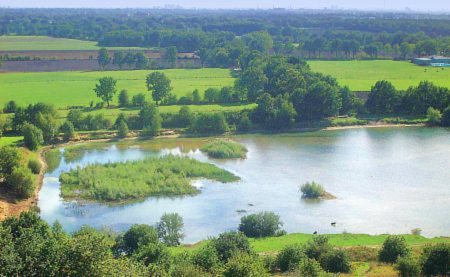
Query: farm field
x: 63, y: 89
x: 44, y: 43
x: 5, y: 141
x: 362, y: 75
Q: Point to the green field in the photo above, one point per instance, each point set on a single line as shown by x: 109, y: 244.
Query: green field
x: 4, y: 141
x: 362, y: 75
x: 63, y: 89
x: 38, y: 43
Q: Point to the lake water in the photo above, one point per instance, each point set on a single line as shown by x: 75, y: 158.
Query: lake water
x: 386, y: 180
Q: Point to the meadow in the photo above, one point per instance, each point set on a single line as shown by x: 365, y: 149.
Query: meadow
x: 70, y: 88
x: 362, y: 75
x: 44, y: 43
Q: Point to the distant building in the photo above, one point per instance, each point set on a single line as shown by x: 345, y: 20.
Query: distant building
x: 437, y: 61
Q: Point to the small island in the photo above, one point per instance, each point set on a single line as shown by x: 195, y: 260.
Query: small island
x: 313, y: 190
x: 164, y: 176
x: 224, y: 149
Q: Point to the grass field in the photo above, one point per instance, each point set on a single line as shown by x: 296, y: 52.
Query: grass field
x: 38, y: 43
x: 63, y: 89
x: 362, y: 75
x: 5, y: 141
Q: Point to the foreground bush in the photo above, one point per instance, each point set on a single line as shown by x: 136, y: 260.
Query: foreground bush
x: 264, y: 224
x: 290, y: 257
x: 221, y: 149
x: 407, y: 267
x: 32, y: 136
x: 435, y: 260
x: 312, y: 190
x: 393, y: 247
x: 244, y: 265
x: 310, y: 268
x: 21, y: 182
x: 317, y: 247
x: 138, y: 235
x: 229, y: 243
x: 336, y: 261
x: 35, y: 166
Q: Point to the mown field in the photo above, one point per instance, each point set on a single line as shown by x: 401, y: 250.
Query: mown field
x: 362, y: 75
x: 63, y: 89
x: 41, y: 43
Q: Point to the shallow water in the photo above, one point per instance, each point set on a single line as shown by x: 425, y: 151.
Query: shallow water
x: 386, y: 180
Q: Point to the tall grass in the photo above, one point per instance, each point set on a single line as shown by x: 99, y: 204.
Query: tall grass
x: 221, y: 149
x: 165, y: 176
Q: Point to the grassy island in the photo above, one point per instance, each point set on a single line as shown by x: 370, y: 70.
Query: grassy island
x: 314, y: 190
x: 222, y: 149
x: 165, y: 176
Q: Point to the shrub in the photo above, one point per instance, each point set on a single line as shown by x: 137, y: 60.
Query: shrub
x: 153, y: 253
x: 407, y: 267
x: 10, y: 107
x: 290, y: 256
x: 312, y: 190
x: 138, y: 235
x: 221, y: 149
x: 32, y: 136
x: 10, y: 158
x: 138, y: 100
x: 68, y: 130
x: 230, y: 243
x: 244, y: 265
x: 210, y: 124
x: 445, y: 121
x: 433, y: 116
x: 150, y: 120
x: 185, y: 117
x: 35, y: 166
x: 392, y: 248
x: 264, y: 224
x: 435, y: 260
x: 310, y: 268
x: 317, y: 247
x: 122, y: 129
x: 21, y: 182
x: 245, y: 124
x: 206, y: 258
x: 336, y: 261
x: 124, y: 99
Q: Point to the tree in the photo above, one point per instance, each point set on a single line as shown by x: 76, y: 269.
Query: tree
x: 393, y: 248
x: 159, y: 85
x: 21, y: 182
x: 10, y: 107
x: 196, y: 97
x: 290, y: 256
x: 433, y: 116
x: 371, y: 50
x: 336, y: 261
x: 170, y: 56
x: 245, y: 124
x: 253, y: 80
x: 10, y: 158
x: 150, y: 120
x: 141, y: 60
x: 119, y: 59
x: 137, y: 236
x: 263, y: 224
x: 445, y: 121
x: 103, y: 58
x: 122, y: 129
x: 348, y: 100
x: 229, y: 243
x: 105, y: 89
x: 68, y: 130
x: 407, y: 267
x: 435, y: 260
x: 170, y: 229
x: 138, y: 100
x: 32, y: 136
x: 210, y: 123
x: 212, y: 95
x: 383, y: 98
x: 312, y: 190
x: 310, y: 268
x: 244, y: 265
x: 124, y: 99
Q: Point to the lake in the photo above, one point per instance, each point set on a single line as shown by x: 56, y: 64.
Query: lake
x: 386, y: 180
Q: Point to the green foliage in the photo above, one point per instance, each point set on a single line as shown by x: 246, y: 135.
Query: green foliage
x: 153, y: 253
x: 312, y: 190
x: 336, y: 261
x: 103, y: 58
x: 211, y: 123
x: 106, y: 88
x: 124, y: 98
x: 10, y: 158
x: 138, y: 100
x: 317, y: 247
x: 150, y: 120
x: 207, y: 258
x: 435, y: 260
x: 310, y: 268
x: 159, y: 85
x: 383, y: 98
x: 32, y: 136
x: 68, y: 130
x: 445, y: 121
x: 274, y: 113
x: 263, y: 224
x: 245, y: 124
x: 10, y: 107
x: 122, y: 129
x: 170, y: 56
x: 393, y: 248
x: 166, y: 176
x: 433, y: 116
x: 290, y: 256
x: 138, y: 235
x: 35, y: 166
x: 196, y: 98
x: 21, y: 182
x: 221, y: 149
x: 407, y: 267
x: 229, y: 243
x: 170, y: 229
x: 244, y: 265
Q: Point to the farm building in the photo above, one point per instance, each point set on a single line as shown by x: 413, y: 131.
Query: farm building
x: 438, y: 61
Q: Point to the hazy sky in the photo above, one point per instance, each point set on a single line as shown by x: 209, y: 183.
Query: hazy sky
x: 428, y: 5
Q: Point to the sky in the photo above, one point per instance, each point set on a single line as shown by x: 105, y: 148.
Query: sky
x: 418, y: 5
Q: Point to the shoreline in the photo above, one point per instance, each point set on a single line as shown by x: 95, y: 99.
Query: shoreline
x: 9, y: 208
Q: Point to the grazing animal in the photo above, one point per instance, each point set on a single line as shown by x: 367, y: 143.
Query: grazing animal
x: 315, y: 233
x: 333, y: 223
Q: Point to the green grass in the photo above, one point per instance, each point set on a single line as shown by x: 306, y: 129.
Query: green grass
x: 221, y: 149
x: 165, y: 176
x: 38, y: 43
x: 5, y: 141
x: 362, y: 75
x: 74, y: 88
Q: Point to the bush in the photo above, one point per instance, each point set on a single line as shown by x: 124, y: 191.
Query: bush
x: 264, y: 224
x: 10, y: 158
x: 230, y: 243
x: 317, y: 247
x: 290, y: 256
x: 206, y: 258
x: 150, y: 120
x: 445, y: 121
x: 244, y: 265
x: 32, y: 136
x: 138, y: 100
x: 310, y: 268
x: 407, y: 267
x: 68, y: 130
x: 392, y: 248
x: 21, y: 182
x: 10, y: 107
x: 153, y: 253
x: 221, y: 149
x: 138, y: 235
x: 336, y: 261
x: 435, y: 260
x: 312, y: 190
x: 35, y: 166
x: 124, y: 99
x: 245, y: 124
x: 433, y: 116
x: 210, y: 124
x: 122, y: 129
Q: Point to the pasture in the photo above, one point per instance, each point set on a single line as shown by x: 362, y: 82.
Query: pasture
x: 71, y: 88
x: 43, y: 43
x: 362, y: 75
